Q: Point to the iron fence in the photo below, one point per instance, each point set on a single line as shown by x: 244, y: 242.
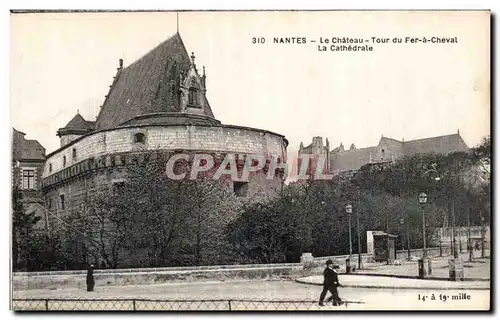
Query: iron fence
x: 169, y: 305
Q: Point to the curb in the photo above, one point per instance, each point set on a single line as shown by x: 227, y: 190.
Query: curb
x: 391, y: 287
x: 412, y: 277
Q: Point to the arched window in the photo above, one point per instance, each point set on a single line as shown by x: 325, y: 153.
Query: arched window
x: 193, y: 96
x: 139, y: 138
x: 74, y: 153
x: 64, y: 161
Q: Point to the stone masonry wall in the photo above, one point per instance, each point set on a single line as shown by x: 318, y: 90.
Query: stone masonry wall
x: 228, y: 139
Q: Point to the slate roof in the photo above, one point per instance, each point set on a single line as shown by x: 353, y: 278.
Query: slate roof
x: 23, y: 149
x: 393, y: 144
x: 355, y: 159
x: 149, y: 85
x: 77, y: 125
x: 441, y: 144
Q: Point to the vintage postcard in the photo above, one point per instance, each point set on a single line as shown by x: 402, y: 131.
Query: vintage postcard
x: 250, y: 160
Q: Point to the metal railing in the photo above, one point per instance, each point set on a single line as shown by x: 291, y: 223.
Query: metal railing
x: 169, y: 305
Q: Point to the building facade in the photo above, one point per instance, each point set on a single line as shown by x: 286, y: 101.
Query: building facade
x: 158, y: 103
x: 28, y: 158
x: 343, y: 160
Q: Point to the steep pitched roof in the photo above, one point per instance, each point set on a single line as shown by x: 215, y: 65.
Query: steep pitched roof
x: 391, y: 143
x: 78, y: 122
x: 77, y: 125
x: 23, y: 149
x: 441, y: 144
x: 149, y: 85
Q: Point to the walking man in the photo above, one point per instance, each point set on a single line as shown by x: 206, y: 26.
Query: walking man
x: 330, y: 283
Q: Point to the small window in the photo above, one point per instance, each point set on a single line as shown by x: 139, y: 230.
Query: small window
x: 28, y: 179
x: 63, y: 205
x: 49, y: 203
x: 118, y: 187
x: 50, y: 167
x: 139, y: 138
x: 74, y: 153
x: 193, y: 96
x: 240, y: 189
x: 64, y: 161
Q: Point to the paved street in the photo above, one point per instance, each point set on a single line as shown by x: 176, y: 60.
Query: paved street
x: 362, y: 281
x: 372, y: 299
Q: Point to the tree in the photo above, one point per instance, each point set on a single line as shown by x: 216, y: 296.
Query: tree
x: 22, y: 229
x: 150, y: 220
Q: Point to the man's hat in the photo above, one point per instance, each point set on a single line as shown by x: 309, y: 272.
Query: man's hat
x: 329, y: 261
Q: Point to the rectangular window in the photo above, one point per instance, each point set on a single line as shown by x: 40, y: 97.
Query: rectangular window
x: 49, y: 203
x: 240, y: 188
x: 63, y: 206
x: 28, y: 179
x: 193, y: 96
x: 118, y: 187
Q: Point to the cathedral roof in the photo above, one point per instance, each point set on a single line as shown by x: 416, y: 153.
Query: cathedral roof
x: 442, y: 144
x: 150, y: 85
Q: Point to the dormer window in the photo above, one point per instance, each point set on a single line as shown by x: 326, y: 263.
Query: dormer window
x: 139, y: 138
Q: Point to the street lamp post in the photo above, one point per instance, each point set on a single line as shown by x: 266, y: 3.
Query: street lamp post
x: 402, y: 223
x: 422, y: 199
x: 408, y: 240
x: 348, y: 209
x: 441, y: 242
x: 482, y: 237
x: 469, y: 240
x: 454, y: 240
x: 359, y: 242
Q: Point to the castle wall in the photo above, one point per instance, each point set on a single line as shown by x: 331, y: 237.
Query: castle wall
x: 227, y: 139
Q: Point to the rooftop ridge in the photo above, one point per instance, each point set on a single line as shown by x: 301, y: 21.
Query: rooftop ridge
x: 436, y: 137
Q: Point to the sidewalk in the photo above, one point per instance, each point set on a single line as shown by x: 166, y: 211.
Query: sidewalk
x: 377, y: 282
x: 477, y: 270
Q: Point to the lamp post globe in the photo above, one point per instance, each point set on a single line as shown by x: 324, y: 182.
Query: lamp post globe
x: 348, y: 208
x: 422, y: 198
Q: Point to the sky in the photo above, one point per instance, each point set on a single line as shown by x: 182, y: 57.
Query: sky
x: 64, y: 62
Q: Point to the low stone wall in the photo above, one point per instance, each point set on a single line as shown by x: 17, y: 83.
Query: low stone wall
x: 52, y: 280
x: 341, y: 260
x: 76, y: 279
